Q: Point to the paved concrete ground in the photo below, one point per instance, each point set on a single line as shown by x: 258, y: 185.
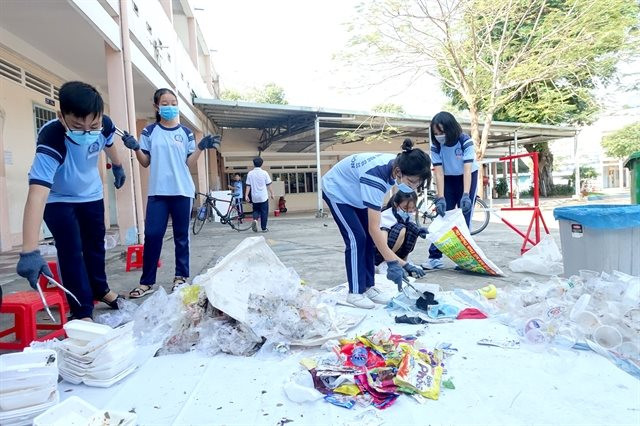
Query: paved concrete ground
x: 314, y: 248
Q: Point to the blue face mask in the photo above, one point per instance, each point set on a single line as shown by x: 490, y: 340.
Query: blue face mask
x: 403, y: 187
x: 169, y: 112
x: 404, y: 215
x: 83, y: 138
x: 440, y: 138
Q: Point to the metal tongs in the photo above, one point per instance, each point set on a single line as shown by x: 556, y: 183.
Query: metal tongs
x: 120, y: 132
x: 60, y: 286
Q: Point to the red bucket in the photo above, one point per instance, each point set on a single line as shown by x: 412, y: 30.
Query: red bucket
x: 276, y: 212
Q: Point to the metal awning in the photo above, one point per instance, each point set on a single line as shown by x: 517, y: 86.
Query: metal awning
x: 288, y: 128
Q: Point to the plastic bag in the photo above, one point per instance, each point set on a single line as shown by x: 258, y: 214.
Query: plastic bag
x: 125, y: 312
x: 451, y: 236
x: 544, y: 259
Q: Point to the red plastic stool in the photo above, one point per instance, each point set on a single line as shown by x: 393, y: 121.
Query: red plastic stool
x: 24, y: 306
x: 134, y: 257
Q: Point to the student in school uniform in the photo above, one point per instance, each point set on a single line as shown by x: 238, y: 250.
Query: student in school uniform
x: 259, y: 187
x: 456, y: 173
x: 354, y: 189
x: 169, y: 148
x: 236, y: 192
x: 65, y: 189
x: 397, y: 224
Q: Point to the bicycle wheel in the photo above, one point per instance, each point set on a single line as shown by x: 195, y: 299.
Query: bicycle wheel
x: 430, y: 213
x: 480, y: 217
x: 199, y: 223
x: 236, y: 220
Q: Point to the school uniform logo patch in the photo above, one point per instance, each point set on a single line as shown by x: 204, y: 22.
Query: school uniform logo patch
x: 94, y: 147
x: 458, y: 153
x: 178, y: 137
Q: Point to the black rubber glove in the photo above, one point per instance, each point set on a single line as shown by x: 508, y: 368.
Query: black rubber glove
x: 209, y: 142
x: 130, y: 142
x: 395, y: 273
x: 465, y: 203
x: 441, y: 206
x: 422, y: 232
x: 31, y: 265
x: 414, y: 270
x: 118, y: 174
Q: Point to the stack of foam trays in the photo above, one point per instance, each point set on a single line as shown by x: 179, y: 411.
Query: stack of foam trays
x: 28, y: 385
x: 96, y: 354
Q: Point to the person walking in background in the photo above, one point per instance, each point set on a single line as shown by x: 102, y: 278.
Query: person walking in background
x: 236, y: 193
x: 66, y: 190
x: 456, y: 172
x: 170, y: 149
x: 259, y: 187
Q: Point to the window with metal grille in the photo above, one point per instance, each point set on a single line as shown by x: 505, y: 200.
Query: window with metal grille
x: 41, y: 116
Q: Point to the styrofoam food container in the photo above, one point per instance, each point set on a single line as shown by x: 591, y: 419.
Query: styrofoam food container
x: 83, y: 348
x: 85, y: 330
x: 37, y: 380
x: 109, y: 382
x: 28, y: 360
x: 26, y: 398
x: 26, y: 415
x: 75, y: 411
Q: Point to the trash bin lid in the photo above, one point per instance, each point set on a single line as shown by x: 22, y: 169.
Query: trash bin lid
x: 628, y: 163
x: 604, y: 216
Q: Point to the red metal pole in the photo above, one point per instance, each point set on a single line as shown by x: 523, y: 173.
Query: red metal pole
x: 511, y: 181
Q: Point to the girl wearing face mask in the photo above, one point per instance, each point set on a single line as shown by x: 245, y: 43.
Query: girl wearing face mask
x: 397, y: 224
x: 456, y: 172
x: 354, y: 189
x: 169, y: 148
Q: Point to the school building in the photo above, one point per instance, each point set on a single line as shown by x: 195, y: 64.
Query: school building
x: 130, y: 48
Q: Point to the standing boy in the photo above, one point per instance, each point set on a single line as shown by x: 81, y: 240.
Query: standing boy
x: 236, y: 192
x: 259, y: 183
x: 66, y: 190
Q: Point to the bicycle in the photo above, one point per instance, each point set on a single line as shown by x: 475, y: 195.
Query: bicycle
x: 479, y: 218
x: 232, y: 217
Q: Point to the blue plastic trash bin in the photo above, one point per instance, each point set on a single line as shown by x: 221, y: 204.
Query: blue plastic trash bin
x: 600, y: 238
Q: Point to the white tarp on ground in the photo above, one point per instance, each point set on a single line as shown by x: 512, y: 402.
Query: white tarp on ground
x: 493, y: 386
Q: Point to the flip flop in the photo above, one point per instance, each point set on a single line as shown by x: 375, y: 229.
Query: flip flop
x: 139, y: 292
x: 443, y: 311
x: 114, y: 303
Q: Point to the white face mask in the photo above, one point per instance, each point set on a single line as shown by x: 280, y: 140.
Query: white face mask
x: 441, y: 138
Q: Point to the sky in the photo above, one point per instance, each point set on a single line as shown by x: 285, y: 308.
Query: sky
x: 292, y: 43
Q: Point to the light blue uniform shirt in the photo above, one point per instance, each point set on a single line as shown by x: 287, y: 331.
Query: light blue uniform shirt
x: 453, y: 158
x: 169, y: 149
x: 68, y: 169
x: 360, y: 180
x: 237, y: 189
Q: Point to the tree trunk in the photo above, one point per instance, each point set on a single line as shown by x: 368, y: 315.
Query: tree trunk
x: 475, y: 128
x: 484, y: 140
x: 545, y: 167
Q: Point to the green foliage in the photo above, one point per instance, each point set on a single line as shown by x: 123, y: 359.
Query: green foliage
x: 623, y: 142
x: 270, y: 93
x: 586, y: 172
x: 502, y: 188
x: 388, y: 108
x: 554, y: 191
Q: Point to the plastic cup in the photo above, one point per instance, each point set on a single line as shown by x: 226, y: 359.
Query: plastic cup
x: 608, y: 337
x: 629, y: 350
x: 587, y: 322
x: 490, y: 291
x: 580, y: 306
x: 535, y: 336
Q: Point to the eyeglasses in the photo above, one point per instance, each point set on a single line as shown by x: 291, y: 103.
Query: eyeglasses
x: 92, y: 132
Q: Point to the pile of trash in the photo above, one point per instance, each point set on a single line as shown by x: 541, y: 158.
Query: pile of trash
x: 76, y: 411
x: 248, y: 298
x: 371, y: 369
x: 95, y: 354
x: 28, y: 385
x: 597, y: 311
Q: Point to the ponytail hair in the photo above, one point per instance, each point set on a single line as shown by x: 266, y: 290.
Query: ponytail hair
x: 414, y: 162
x: 156, y: 98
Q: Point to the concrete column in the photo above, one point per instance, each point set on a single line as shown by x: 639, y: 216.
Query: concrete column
x: 208, y: 77
x: 5, y: 231
x: 167, y: 5
x: 213, y: 169
x: 144, y: 171
x: 125, y: 197
x: 193, y: 41
x: 621, y: 173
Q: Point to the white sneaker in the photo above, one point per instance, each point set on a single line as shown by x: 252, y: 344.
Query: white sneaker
x: 360, y: 301
x: 376, y: 296
x: 433, y: 264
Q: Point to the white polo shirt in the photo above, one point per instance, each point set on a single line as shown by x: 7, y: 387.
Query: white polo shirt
x: 258, y: 180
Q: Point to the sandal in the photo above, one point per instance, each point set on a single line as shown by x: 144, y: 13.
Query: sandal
x: 114, y: 303
x: 139, y: 292
x: 177, y: 282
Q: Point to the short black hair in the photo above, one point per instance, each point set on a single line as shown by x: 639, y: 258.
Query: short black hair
x: 400, y: 197
x: 257, y: 162
x: 450, y: 126
x: 80, y: 99
x: 414, y: 162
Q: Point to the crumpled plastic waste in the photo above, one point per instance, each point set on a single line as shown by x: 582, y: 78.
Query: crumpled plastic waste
x: 374, y: 369
x: 544, y: 259
x: 114, y: 318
